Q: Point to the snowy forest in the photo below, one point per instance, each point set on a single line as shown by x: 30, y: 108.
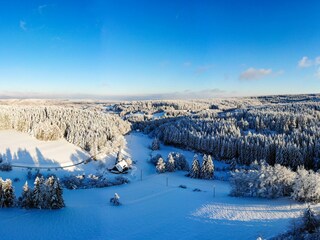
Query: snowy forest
x: 278, y: 130
x: 91, y: 130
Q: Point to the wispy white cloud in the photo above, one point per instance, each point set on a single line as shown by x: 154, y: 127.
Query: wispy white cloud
x: 41, y: 8
x: 254, y: 74
x: 305, y: 62
x: 23, y: 25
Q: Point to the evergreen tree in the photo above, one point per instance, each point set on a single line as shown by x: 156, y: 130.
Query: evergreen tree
x: 26, y: 198
x: 155, y: 144
x: 310, y: 221
x: 55, y: 199
x: 195, y: 168
x: 170, y: 164
x: 8, y: 196
x: 37, y: 195
x: 209, y: 168
x: 203, y: 166
x: 161, y: 166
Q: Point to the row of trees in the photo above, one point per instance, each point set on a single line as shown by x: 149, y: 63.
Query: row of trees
x: 46, y: 194
x: 263, y: 180
x: 206, y: 171
x: 91, y: 130
x: 175, y: 162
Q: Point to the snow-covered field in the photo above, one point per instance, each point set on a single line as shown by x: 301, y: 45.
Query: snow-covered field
x: 23, y: 150
x: 150, y: 209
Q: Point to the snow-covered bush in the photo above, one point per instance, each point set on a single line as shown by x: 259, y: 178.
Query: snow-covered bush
x: 306, y: 186
x: 262, y: 181
x: 91, y: 181
x: 266, y: 181
x: 115, y: 201
x: 275, y: 181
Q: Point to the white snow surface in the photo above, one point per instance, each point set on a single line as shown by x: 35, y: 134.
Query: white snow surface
x: 23, y: 150
x: 150, y: 209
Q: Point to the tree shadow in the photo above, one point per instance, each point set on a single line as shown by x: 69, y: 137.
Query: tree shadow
x: 43, y: 161
x: 78, y: 157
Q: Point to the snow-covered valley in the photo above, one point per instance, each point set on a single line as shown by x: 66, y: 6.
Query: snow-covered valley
x: 153, y: 205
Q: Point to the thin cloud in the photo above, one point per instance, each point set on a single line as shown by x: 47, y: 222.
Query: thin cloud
x: 255, y: 74
x: 23, y: 25
x: 42, y: 8
x: 305, y: 62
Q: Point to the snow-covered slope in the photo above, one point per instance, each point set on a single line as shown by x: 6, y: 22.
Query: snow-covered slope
x: 23, y: 150
x: 152, y: 210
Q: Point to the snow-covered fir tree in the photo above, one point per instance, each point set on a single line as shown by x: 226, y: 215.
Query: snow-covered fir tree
x: 40, y: 194
x: 207, y: 167
x: 55, y: 199
x: 155, y: 144
x: 161, y: 166
x: 195, y: 168
x: 203, y: 166
x: 310, y: 221
x: 170, y: 165
x: 7, y: 196
x: 26, y: 200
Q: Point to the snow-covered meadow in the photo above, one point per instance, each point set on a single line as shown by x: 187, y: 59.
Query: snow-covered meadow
x: 20, y: 149
x: 151, y: 208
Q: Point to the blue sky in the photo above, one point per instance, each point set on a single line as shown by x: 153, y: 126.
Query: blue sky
x: 158, y: 49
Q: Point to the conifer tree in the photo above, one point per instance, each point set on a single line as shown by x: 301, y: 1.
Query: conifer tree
x: 195, y: 168
x: 26, y: 198
x: 155, y: 144
x: 170, y: 163
x: 8, y: 193
x: 37, y: 195
x: 161, y: 166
